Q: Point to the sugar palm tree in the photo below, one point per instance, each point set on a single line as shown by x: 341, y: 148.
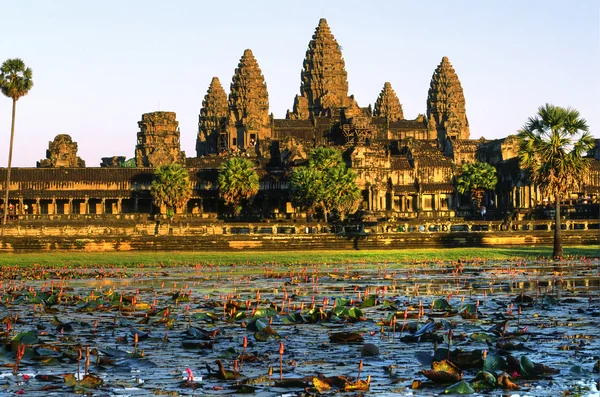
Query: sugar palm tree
x: 15, y: 82
x: 344, y: 195
x: 326, y: 183
x: 171, y: 187
x: 476, y: 178
x: 552, y: 149
x: 237, y: 181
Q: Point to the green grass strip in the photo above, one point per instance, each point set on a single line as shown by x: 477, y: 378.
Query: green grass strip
x: 132, y: 259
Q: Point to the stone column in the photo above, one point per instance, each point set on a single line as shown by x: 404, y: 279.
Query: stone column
x: 38, y: 210
x: 20, y: 212
x: 103, y: 206
x: 119, y: 206
x: 70, y: 208
x: 52, y: 209
x: 86, y: 205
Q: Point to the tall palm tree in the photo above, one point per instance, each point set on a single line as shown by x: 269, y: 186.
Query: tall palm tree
x: 552, y: 146
x: 324, y: 158
x: 15, y: 82
x: 344, y: 195
x: 237, y: 181
x: 476, y: 178
x: 307, y: 188
x: 171, y: 187
x: 326, y: 184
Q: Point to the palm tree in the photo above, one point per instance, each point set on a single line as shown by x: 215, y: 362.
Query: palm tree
x: 307, y: 188
x: 552, y: 146
x: 324, y: 158
x: 171, y: 187
x: 326, y: 183
x: 15, y: 82
x: 237, y: 181
x: 344, y: 195
x: 476, y: 178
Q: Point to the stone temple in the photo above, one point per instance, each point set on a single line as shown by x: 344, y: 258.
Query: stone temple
x: 405, y: 167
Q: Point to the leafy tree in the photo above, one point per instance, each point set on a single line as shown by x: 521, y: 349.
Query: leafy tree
x: 552, y: 146
x: 171, y: 187
x: 326, y: 184
x: 307, y: 188
x: 476, y: 178
x: 15, y: 82
x: 237, y: 181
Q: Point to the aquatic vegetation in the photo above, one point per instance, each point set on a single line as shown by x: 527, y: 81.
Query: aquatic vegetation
x: 431, y: 326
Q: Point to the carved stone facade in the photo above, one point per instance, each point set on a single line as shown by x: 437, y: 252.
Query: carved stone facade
x: 405, y: 168
x: 249, y: 120
x: 158, y: 140
x: 212, y: 135
x: 388, y: 105
x: 446, y: 104
x: 324, y: 80
x: 62, y: 152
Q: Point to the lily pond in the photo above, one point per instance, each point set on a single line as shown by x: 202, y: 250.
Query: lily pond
x: 527, y: 327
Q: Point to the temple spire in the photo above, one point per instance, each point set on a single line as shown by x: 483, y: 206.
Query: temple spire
x: 249, y: 118
x: 388, y: 105
x: 446, y: 111
x: 324, y: 80
x: 212, y: 119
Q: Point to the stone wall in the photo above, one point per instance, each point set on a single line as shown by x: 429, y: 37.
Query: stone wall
x: 218, y: 236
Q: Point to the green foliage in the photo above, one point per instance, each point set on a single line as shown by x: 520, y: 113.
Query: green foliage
x: 15, y: 82
x: 171, y: 187
x: 326, y: 184
x: 15, y: 79
x: 552, y: 146
x: 237, y: 182
x: 476, y: 178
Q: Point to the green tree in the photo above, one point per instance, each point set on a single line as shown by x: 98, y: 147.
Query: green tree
x: 237, y: 182
x: 476, y: 178
x: 552, y: 146
x: 307, y: 188
x: 15, y: 82
x: 171, y: 187
x: 326, y: 184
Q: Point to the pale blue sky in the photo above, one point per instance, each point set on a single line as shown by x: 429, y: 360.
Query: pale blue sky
x: 99, y: 65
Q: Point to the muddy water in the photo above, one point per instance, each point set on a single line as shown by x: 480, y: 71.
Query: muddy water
x: 557, y: 325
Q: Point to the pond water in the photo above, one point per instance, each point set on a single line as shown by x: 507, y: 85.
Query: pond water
x: 535, y: 320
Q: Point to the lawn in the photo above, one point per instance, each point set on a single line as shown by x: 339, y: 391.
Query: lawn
x: 293, y: 257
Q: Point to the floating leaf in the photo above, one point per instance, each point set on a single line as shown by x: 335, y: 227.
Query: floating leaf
x: 484, y: 380
x: 320, y: 385
x: 441, y: 304
x: 461, y: 387
x: 494, y: 363
x: 505, y: 382
x: 26, y: 338
x: 345, y: 337
x: 527, y: 367
x: 370, y: 301
x: 443, y: 372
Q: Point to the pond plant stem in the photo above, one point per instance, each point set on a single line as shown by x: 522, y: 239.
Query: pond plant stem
x: 281, y: 349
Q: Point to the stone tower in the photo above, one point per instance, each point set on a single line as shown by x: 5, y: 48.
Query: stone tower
x: 62, y: 152
x: 249, y: 119
x: 324, y: 81
x: 446, y: 112
x: 212, y: 120
x: 158, y: 140
x: 388, y: 105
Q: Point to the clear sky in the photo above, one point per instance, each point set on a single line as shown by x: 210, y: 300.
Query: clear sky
x: 99, y: 65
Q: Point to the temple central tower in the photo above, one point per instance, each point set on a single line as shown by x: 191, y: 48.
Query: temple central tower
x: 324, y: 80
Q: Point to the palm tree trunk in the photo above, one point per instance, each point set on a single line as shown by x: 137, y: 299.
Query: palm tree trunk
x: 558, y: 251
x: 10, y: 149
